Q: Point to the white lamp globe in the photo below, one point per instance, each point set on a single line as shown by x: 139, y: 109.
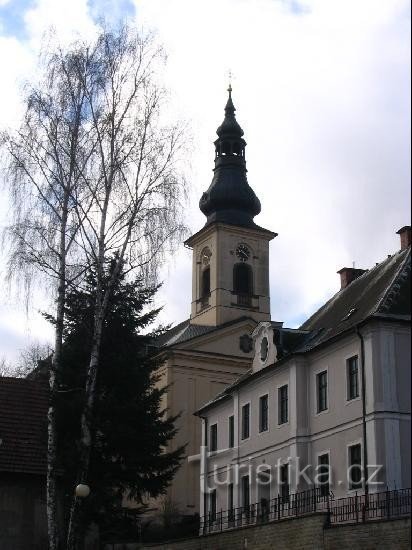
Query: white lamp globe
x: 82, y: 490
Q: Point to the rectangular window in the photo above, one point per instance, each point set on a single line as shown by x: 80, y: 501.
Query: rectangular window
x: 284, y: 480
x: 353, y: 377
x: 283, y: 405
x: 323, y: 474
x: 245, y: 492
x: 355, y: 467
x: 213, y: 437
x: 263, y: 413
x: 213, y: 505
x: 231, y: 432
x: 246, y: 421
x: 322, y: 389
x: 230, y: 502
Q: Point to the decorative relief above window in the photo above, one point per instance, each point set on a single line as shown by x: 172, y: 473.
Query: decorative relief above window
x: 246, y: 343
x: 264, y: 346
x: 205, y: 256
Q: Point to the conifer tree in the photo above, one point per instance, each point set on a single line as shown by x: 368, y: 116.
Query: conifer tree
x: 130, y: 430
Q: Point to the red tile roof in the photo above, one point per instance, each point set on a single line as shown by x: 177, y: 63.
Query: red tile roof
x: 23, y: 425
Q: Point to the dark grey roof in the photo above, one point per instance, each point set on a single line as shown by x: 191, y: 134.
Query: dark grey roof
x: 229, y: 198
x: 384, y: 289
x: 181, y: 333
x: 186, y: 331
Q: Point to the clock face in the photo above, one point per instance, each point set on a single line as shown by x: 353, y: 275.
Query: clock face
x: 242, y: 252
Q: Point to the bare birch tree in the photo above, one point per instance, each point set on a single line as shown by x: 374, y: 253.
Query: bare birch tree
x: 136, y: 183
x: 47, y: 162
x: 94, y: 172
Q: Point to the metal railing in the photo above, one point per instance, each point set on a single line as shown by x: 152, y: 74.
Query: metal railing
x: 292, y: 505
x: 352, y: 509
x: 374, y: 506
x: 244, y: 300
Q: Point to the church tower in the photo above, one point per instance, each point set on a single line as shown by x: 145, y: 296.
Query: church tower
x: 230, y: 277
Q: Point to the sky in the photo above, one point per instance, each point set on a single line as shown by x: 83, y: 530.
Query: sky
x: 322, y: 91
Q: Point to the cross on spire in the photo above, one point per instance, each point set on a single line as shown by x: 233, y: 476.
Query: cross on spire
x: 230, y: 77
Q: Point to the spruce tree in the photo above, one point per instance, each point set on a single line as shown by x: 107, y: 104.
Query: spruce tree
x: 130, y: 430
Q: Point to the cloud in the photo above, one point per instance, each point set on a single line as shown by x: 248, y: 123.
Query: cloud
x: 322, y: 90
x: 323, y: 98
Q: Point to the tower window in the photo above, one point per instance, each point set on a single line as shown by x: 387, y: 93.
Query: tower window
x: 226, y: 148
x: 242, y: 279
x: 236, y: 149
x: 205, y: 282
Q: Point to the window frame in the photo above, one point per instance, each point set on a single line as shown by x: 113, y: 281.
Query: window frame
x: 351, y: 486
x: 348, y: 378
x: 317, y: 374
x: 231, y: 431
x: 261, y: 429
x: 247, y: 268
x: 230, y: 502
x: 213, y: 505
x: 246, y: 404
x: 213, y: 434
x: 325, y: 452
x: 246, y: 506
x: 284, y: 489
x: 279, y: 388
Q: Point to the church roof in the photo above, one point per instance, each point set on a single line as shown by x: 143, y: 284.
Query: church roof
x: 181, y: 333
x: 186, y: 331
x: 383, y: 292
x: 229, y: 198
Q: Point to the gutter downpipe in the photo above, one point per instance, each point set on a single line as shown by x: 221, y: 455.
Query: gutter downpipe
x: 203, y: 470
x: 364, y: 434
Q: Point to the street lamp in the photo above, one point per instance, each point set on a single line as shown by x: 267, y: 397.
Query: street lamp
x: 82, y: 490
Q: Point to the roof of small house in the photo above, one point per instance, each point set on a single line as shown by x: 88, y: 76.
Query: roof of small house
x: 23, y: 425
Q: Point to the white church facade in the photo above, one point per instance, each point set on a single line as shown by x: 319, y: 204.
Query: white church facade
x: 319, y: 403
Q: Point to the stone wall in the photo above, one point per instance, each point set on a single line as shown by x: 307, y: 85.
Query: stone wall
x: 291, y: 534
x: 305, y: 533
x: 380, y: 535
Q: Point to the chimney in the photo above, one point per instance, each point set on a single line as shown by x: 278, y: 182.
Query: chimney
x: 405, y: 234
x: 349, y: 274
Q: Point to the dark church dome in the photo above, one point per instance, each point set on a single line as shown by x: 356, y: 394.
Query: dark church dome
x: 230, y: 199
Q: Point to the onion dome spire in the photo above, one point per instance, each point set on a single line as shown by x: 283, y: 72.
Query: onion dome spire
x: 229, y: 198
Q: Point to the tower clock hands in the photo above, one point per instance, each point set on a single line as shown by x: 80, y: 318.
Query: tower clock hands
x: 242, y: 252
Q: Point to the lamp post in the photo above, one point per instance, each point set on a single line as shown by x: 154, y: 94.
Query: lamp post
x: 82, y: 490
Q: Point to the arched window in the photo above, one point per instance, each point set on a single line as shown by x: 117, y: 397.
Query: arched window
x: 242, y: 279
x: 205, y: 283
x: 236, y: 148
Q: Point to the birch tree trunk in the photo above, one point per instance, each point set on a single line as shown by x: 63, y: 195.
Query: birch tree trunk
x: 139, y: 196
x: 46, y: 167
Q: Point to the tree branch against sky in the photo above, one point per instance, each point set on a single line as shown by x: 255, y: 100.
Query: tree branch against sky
x: 92, y: 171
x: 136, y: 184
x: 322, y: 91
x: 47, y: 158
